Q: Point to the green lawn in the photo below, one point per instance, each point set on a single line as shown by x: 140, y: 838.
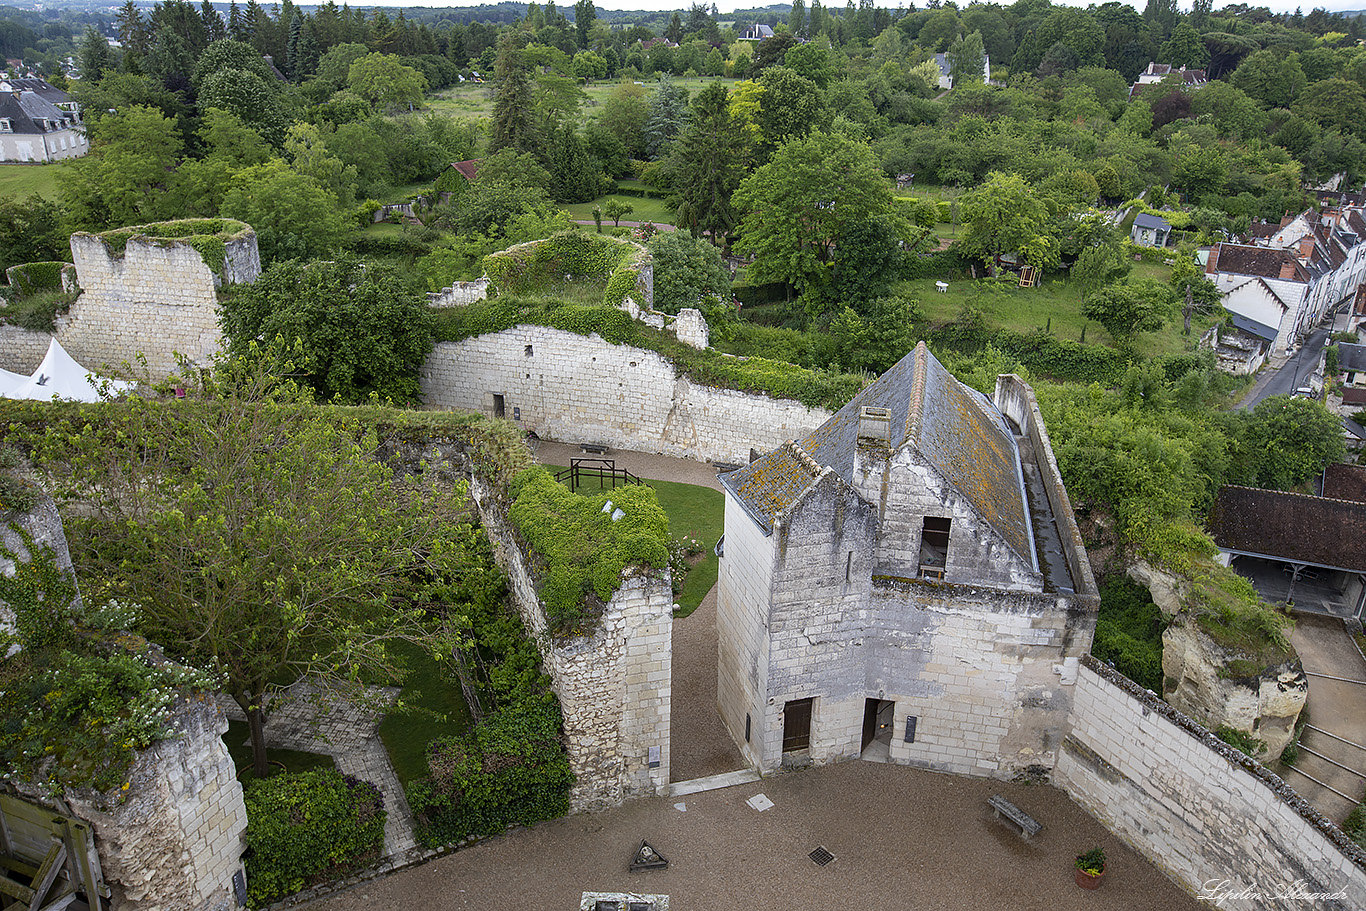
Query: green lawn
x: 24, y: 180
x: 653, y: 210
x: 693, y: 512
x: 435, y: 708
x: 239, y: 747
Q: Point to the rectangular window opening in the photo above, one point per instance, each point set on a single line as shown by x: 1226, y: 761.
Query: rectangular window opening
x: 934, y: 547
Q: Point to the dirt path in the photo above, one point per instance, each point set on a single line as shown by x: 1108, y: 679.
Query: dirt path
x: 699, y: 745
x: 902, y: 839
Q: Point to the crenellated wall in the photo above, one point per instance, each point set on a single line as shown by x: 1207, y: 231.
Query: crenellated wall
x: 580, y: 389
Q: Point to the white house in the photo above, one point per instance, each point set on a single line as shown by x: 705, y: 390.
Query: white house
x: 946, y: 70
x: 38, y: 123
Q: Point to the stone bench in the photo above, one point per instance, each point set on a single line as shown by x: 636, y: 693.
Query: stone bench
x: 1004, y: 809
x: 596, y: 448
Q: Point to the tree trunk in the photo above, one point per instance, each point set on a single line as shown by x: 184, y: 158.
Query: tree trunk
x: 1186, y: 310
x: 256, y: 726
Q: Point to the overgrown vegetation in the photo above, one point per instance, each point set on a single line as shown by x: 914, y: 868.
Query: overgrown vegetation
x: 568, y: 257
x: 309, y: 827
x: 1129, y: 632
x: 208, y: 236
x: 36, y: 312
x: 582, y: 544
x: 1242, y: 741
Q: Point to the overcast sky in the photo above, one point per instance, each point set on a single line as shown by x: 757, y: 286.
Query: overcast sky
x: 727, y: 7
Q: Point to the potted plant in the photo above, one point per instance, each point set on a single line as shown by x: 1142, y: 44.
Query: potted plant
x: 1090, y: 868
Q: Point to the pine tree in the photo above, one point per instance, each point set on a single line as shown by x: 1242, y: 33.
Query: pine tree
x: 707, y: 164
x: 237, y: 26
x: 796, y: 20
x: 214, y: 29
x: 512, y: 126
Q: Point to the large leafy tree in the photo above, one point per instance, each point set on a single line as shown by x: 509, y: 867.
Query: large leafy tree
x: 1003, y: 215
x: 294, y: 216
x: 31, y: 231
x: 255, y: 536
x: 1284, y: 441
x: 797, y: 208
x: 1128, y: 308
x: 362, y: 329
x: 123, y: 179
x: 385, y: 82
x: 689, y: 272
x: 708, y: 163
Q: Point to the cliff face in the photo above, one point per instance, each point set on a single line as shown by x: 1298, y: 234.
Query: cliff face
x: 1219, y: 686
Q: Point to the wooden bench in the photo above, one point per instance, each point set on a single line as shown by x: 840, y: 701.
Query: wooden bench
x: 1006, y: 810
x: 598, y: 448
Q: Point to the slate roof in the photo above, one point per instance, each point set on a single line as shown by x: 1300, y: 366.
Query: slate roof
x: 25, y: 110
x: 1351, y: 357
x: 1290, y: 526
x: 1345, y: 482
x: 955, y: 429
x: 1144, y: 220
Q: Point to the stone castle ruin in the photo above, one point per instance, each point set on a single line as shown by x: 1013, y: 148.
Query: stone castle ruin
x: 149, y: 289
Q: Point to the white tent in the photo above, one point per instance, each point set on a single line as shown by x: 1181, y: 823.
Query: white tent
x: 10, y: 381
x: 60, y: 377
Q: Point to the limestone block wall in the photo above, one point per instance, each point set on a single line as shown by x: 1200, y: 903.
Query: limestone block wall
x: 459, y: 294
x: 614, y: 686
x: 21, y: 351
x: 745, y: 576
x: 1197, y: 808
x: 174, y: 840
x: 157, y: 299
x: 575, y: 388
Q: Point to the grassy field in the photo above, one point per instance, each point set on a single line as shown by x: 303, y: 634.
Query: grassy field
x: 436, y: 708
x: 653, y: 210
x: 24, y: 180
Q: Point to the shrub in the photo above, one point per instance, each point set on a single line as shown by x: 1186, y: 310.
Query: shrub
x: 1129, y: 632
x: 1240, y: 740
x: 308, y: 827
x: 511, y: 770
x: 30, y: 278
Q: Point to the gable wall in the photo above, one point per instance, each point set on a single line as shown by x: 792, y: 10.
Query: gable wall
x: 977, y: 553
x: 742, y: 611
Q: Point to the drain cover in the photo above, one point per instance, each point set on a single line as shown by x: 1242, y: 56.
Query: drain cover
x: 821, y: 856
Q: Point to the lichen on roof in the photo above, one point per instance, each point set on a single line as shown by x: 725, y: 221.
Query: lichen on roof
x: 955, y: 429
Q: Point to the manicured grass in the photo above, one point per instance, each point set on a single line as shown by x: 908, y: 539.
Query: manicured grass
x: 384, y: 229
x: 693, y: 512
x: 435, y: 707
x: 24, y: 180
x: 653, y: 210
x: 239, y: 747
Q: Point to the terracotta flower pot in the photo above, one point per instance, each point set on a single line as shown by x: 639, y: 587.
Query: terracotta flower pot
x: 1090, y: 880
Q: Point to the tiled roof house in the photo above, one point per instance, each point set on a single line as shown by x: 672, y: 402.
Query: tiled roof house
x: 906, y: 578
x: 38, y: 123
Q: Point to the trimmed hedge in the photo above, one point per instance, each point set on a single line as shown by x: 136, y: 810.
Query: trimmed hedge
x: 307, y: 827
x: 30, y: 278
x: 389, y: 245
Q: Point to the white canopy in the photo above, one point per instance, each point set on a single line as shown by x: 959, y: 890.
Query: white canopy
x: 58, y: 376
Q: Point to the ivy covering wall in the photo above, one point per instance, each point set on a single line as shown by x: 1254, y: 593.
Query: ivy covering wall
x: 568, y: 257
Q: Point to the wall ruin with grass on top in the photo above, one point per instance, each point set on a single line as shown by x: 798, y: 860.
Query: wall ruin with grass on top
x: 147, y: 294
x: 581, y: 389
x: 1208, y: 816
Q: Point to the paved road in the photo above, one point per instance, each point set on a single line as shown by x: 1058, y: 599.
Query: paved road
x: 1337, y: 708
x: 1294, y: 374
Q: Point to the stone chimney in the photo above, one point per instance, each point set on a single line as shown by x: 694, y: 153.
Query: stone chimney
x: 872, y: 454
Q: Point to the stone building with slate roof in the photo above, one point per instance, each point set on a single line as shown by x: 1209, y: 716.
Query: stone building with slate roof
x: 905, y: 583
x: 38, y: 123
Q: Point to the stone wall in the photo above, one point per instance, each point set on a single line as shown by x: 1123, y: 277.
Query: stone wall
x: 580, y: 389
x: 157, y: 298
x: 459, y: 294
x: 174, y: 839
x: 1208, y: 816
x: 21, y: 351
x: 614, y: 686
